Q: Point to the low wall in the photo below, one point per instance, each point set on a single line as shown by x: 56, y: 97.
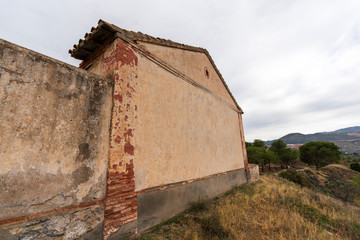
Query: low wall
x: 54, y: 134
x: 158, y: 205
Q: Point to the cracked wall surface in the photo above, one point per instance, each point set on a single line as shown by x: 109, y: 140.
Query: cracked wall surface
x: 80, y: 152
x: 119, y: 62
x: 54, y: 134
x: 165, y: 130
x: 66, y: 225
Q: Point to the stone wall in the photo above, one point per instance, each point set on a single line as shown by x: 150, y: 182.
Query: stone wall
x: 54, y: 134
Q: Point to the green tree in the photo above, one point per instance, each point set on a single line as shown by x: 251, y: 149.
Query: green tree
x: 248, y: 144
x: 319, y: 154
x: 278, y: 146
x: 288, y: 155
x: 256, y: 155
x: 259, y: 143
x: 283, y: 154
x: 269, y: 157
x: 355, y: 166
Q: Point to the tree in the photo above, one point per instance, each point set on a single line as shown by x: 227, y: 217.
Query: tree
x: 278, y: 146
x: 248, y: 144
x: 256, y: 155
x: 288, y: 155
x: 269, y: 157
x: 259, y: 143
x: 283, y: 154
x: 319, y: 154
x: 355, y: 166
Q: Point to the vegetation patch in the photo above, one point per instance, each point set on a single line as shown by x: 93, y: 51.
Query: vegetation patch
x: 273, y: 208
x: 335, y: 180
x: 355, y: 166
x: 212, y: 228
x: 199, y: 206
x: 296, y: 177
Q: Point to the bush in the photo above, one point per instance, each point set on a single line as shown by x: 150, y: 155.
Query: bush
x: 355, y: 166
x: 295, y: 176
x: 198, y: 206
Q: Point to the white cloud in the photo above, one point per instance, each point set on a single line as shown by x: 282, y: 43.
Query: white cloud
x: 293, y: 66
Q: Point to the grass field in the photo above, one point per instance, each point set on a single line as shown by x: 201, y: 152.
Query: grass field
x: 273, y: 208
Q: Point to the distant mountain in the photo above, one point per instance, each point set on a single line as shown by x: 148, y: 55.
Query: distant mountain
x: 348, y: 139
x: 348, y: 130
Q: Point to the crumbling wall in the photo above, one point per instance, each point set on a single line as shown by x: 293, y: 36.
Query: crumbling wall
x: 54, y: 134
x: 120, y: 62
x: 166, y: 130
x: 106, y: 155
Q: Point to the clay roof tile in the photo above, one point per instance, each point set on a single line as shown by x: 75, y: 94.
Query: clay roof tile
x: 105, y: 33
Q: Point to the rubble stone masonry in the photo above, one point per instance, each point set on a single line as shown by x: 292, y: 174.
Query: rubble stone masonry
x: 54, y: 134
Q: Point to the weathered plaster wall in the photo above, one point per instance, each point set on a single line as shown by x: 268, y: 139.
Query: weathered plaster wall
x: 81, y: 152
x: 164, y: 130
x: 120, y: 62
x: 54, y: 134
x: 177, y: 131
x: 182, y: 132
x: 192, y: 64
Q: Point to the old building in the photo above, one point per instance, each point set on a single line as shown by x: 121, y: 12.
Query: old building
x: 144, y: 129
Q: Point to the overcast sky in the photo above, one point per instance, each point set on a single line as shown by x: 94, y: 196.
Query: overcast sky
x: 293, y: 66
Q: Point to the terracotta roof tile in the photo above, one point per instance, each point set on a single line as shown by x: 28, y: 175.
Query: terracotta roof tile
x: 105, y: 33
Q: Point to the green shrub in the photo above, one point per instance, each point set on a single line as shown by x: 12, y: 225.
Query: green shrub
x: 295, y: 176
x: 355, y: 166
x: 198, y: 206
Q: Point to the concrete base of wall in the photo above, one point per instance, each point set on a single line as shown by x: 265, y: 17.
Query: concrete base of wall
x: 125, y: 231
x: 95, y: 234
x: 159, y: 205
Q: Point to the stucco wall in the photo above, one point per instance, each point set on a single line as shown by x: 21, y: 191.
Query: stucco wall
x: 164, y: 129
x: 178, y: 131
x: 182, y: 132
x: 54, y: 134
x: 192, y: 64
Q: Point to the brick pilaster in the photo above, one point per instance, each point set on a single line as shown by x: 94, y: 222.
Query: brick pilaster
x: 120, y: 62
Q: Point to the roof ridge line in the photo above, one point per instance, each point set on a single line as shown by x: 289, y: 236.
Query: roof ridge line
x: 106, y: 32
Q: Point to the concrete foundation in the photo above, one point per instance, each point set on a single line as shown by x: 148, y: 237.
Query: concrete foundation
x: 159, y: 205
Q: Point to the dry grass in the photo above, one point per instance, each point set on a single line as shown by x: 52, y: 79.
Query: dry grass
x: 270, y: 209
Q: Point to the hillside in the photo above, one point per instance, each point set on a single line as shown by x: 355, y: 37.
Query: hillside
x: 349, y: 129
x: 273, y: 208
x: 348, y: 139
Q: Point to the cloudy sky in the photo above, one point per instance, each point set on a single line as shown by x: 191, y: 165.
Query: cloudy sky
x: 292, y: 65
